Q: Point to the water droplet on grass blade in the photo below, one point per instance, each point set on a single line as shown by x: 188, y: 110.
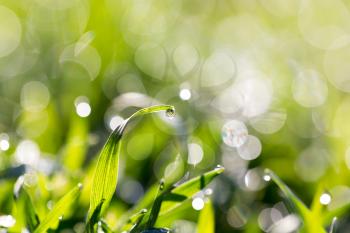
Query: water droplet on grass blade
x: 325, y: 198
x: 251, y: 149
x: 60, y: 218
x: 143, y: 211
x: 267, y: 177
x: 198, y: 203
x: 170, y: 113
x: 161, y: 184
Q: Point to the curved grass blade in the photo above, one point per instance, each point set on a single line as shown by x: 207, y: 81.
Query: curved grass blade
x: 25, y: 206
x: 176, y: 200
x: 62, y: 206
x: 311, y: 221
x: 105, y: 178
x: 334, y: 221
x: 329, y: 215
x: 298, y: 204
x: 186, y: 190
x: 206, y: 220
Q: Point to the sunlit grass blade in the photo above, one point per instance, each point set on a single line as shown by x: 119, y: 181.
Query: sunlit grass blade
x: 180, y: 212
x: 298, y: 204
x: 63, y: 205
x: 145, y: 202
x: 106, y: 174
x: 24, y: 210
x: 206, y: 220
x: 173, y: 202
x: 311, y: 222
x: 332, y: 228
x: 25, y: 206
x: 186, y: 190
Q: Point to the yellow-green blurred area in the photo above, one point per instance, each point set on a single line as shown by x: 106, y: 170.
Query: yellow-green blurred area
x: 256, y: 84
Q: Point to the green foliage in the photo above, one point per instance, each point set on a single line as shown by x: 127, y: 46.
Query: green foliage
x: 65, y: 204
x: 310, y: 218
x: 206, y: 221
x: 106, y: 174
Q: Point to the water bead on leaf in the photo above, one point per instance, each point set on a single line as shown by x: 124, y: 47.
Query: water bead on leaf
x: 170, y: 112
x: 234, y: 133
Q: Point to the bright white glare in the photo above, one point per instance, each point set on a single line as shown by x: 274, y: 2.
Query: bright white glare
x: 288, y: 224
x: 208, y: 192
x: 253, y: 180
x: 115, y: 121
x: 234, y: 133
x: 325, y: 199
x: 82, y: 107
x: 7, y: 221
x: 267, y: 178
x: 256, y: 94
x: 195, y: 153
x: 198, y: 203
x: 27, y: 152
x: 4, y: 142
x: 251, y: 149
x: 185, y: 94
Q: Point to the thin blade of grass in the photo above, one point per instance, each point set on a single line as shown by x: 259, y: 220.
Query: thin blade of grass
x: 206, y: 220
x: 298, y: 204
x: 334, y: 221
x: 62, y: 206
x: 311, y: 223
x: 186, y: 190
x: 106, y: 173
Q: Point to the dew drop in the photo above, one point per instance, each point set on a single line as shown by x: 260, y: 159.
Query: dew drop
x: 267, y: 177
x: 80, y: 186
x: 60, y: 218
x: 143, y: 211
x: 218, y: 167
x: 161, y: 184
x: 325, y: 198
x: 198, y: 203
x: 170, y: 112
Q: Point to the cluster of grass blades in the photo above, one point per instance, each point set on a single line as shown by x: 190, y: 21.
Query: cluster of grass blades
x: 314, y: 219
x: 162, y: 204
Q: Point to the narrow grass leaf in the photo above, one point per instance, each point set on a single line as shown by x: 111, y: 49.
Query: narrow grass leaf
x: 206, y: 220
x: 26, y: 207
x: 311, y: 223
x: 298, y: 204
x: 186, y: 190
x: 63, y: 205
x: 105, y: 178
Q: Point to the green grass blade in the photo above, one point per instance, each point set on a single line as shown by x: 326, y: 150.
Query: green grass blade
x: 172, y: 203
x: 206, y: 220
x: 31, y: 218
x: 186, y: 190
x: 24, y: 206
x: 106, y: 174
x: 298, y: 204
x: 311, y: 222
x: 334, y: 221
x: 62, y: 206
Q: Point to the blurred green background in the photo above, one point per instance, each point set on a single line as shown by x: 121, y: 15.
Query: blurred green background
x: 256, y: 84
